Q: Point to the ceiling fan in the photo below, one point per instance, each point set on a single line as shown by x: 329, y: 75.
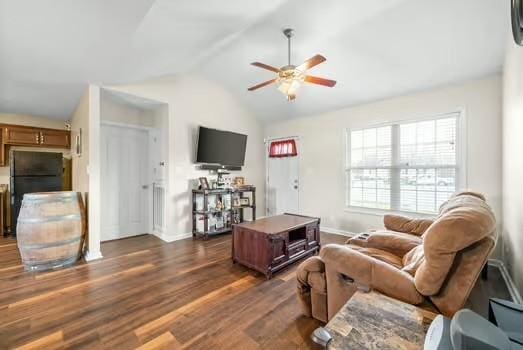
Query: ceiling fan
x: 291, y: 77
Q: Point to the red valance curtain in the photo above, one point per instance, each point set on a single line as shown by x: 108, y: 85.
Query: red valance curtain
x: 283, y: 148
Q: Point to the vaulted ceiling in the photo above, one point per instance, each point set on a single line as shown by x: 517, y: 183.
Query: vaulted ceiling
x: 51, y: 49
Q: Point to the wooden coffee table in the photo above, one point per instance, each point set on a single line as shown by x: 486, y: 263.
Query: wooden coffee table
x: 376, y: 321
x: 272, y: 243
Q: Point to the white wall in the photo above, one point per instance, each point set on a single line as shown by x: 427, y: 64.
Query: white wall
x: 513, y: 163
x: 118, y: 111
x: 80, y: 120
x: 86, y: 174
x: 322, y: 142
x: 194, y: 101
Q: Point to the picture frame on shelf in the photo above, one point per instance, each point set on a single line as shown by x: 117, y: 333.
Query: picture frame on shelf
x: 239, y: 181
x: 204, y: 184
x: 245, y: 202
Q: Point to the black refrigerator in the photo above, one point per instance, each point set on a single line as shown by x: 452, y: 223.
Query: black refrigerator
x: 33, y: 172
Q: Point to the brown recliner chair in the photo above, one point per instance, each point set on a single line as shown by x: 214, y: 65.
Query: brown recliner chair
x: 417, y: 261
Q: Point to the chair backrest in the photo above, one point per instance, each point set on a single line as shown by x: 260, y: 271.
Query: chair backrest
x: 455, y: 248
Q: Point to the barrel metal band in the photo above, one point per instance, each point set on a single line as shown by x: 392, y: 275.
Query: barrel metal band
x: 50, y: 200
x: 66, y: 194
x: 50, y: 219
x: 49, y: 245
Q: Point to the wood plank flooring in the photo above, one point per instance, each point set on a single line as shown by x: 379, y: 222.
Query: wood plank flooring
x: 147, y: 294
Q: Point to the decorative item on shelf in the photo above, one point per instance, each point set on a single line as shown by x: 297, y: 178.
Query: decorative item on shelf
x: 236, y: 219
x: 226, y: 201
x: 227, y: 181
x: 204, y: 184
x: 212, y: 221
x: 236, y: 202
x: 211, y: 202
x: 219, y: 205
x: 239, y: 181
x: 219, y: 222
x: 224, y: 179
x: 245, y: 202
x: 214, y: 184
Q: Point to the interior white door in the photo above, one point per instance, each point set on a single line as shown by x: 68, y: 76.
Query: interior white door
x: 283, y: 185
x: 125, y: 187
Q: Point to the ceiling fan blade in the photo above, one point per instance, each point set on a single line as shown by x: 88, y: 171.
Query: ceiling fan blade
x: 266, y: 66
x: 320, y: 81
x: 311, y: 62
x: 265, y: 83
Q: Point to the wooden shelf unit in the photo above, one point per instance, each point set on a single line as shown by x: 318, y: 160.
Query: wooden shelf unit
x: 205, y: 213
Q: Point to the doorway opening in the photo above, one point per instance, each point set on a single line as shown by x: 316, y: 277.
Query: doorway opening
x: 283, y: 180
x: 133, y: 147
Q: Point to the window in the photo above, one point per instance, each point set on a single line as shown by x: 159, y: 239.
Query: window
x: 285, y: 148
x: 410, y: 166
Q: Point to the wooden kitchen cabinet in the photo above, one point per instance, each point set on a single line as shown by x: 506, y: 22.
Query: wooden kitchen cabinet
x: 28, y: 136
x: 55, y: 138
x: 18, y: 135
x: 15, y: 135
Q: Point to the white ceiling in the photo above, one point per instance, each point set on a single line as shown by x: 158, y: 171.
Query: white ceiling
x: 51, y: 49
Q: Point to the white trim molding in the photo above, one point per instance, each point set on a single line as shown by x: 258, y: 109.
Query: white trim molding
x: 90, y: 256
x: 171, y: 238
x: 511, y: 286
x: 336, y: 231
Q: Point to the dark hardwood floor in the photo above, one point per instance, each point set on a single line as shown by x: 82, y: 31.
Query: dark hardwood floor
x: 149, y: 294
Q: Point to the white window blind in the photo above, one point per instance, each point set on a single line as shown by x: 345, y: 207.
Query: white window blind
x: 411, y: 166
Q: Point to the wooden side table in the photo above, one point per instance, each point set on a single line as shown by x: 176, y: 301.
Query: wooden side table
x: 375, y: 321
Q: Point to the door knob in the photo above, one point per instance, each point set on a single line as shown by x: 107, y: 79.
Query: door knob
x: 145, y: 187
x: 295, y: 187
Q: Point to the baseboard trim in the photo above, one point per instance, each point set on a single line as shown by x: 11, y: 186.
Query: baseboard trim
x: 90, y: 256
x: 512, y: 289
x: 336, y: 231
x: 171, y: 238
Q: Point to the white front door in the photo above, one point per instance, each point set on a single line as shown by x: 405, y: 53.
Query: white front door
x: 283, y: 185
x: 125, y: 182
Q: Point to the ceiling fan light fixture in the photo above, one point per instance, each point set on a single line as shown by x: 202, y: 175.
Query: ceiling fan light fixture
x: 291, y: 77
x: 289, y: 86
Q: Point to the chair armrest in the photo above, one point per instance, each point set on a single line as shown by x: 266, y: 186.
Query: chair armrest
x: 406, y: 225
x: 367, y: 271
x: 396, y: 243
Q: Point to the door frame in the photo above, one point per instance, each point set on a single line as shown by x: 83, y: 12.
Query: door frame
x: 267, y: 141
x: 150, y: 175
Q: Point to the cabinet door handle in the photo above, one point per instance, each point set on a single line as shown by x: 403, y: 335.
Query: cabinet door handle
x: 37, y: 138
x: 41, y: 138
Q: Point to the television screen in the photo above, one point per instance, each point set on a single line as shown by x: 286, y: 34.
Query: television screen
x: 221, y: 147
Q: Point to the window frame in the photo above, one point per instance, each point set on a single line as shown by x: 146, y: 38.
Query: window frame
x: 461, y: 161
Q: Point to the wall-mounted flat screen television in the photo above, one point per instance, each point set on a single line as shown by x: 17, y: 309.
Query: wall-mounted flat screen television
x: 221, y: 147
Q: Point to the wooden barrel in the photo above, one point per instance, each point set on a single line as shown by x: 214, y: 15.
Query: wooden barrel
x: 50, y: 229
